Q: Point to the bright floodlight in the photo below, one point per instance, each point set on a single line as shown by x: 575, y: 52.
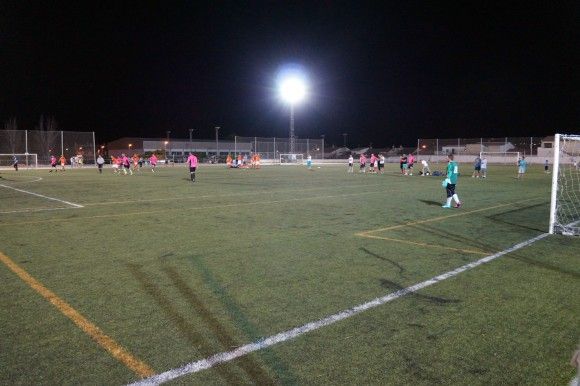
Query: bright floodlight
x: 292, y: 90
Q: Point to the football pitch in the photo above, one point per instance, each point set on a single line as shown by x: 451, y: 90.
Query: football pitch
x: 113, y: 279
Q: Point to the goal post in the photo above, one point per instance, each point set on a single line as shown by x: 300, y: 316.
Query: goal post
x: 291, y: 159
x: 565, y: 195
x: 501, y: 157
x: 25, y: 160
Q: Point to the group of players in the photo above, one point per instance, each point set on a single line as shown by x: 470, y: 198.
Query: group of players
x: 241, y: 161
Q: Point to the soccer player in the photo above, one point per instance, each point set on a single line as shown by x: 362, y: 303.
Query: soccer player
x: 135, y: 159
x: 476, y: 168
x: 404, y: 164
x: 126, y: 164
x: 229, y: 161
x: 309, y: 162
x: 363, y: 163
x: 350, y: 163
x: 153, y: 162
x: 425, y: 171
x: 192, y: 162
x: 15, y: 162
x: 100, y: 163
x: 450, y: 182
x: 372, y: 165
x: 410, y: 163
x: 258, y: 161
x: 62, y: 162
x: 522, y: 166
x: 484, y: 168
x: 381, y: 164
x: 52, y: 164
x: 546, y: 167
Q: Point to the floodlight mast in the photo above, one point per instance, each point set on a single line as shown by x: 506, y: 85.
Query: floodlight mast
x: 292, y: 91
x: 292, y: 138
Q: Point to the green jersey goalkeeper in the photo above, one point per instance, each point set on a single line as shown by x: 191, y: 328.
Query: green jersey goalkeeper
x: 450, y: 182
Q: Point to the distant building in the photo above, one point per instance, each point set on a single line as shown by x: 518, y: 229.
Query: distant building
x: 175, y: 147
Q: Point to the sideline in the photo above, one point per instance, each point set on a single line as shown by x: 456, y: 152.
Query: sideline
x: 43, y: 196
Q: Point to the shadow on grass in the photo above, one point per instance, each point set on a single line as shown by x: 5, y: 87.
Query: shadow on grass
x: 519, y: 256
x: 251, y: 367
x: 241, y: 321
x: 391, y: 285
x: 394, y: 263
x: 431, y: 203
x: 185, y: 326
x: 496, y: 217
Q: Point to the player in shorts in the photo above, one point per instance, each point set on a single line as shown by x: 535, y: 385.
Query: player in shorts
x: 53, y: 164
x: 381, y: 164
x: 410, y: 163
x: 192, y: 162
x: 450, y: 182
x: 484, y: 168
x: 404, y: 165
x: 153, y: 162
x: 363, y: 163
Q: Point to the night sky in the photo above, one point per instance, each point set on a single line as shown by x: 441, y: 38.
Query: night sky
x: 385, y: 74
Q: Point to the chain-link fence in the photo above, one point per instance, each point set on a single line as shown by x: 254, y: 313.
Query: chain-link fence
x: 271, y: 148
x: 45, y: 143
x: 526, y: 146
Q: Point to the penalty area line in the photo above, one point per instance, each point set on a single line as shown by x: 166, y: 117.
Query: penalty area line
x: 223, y: 357
x: 43, y: 196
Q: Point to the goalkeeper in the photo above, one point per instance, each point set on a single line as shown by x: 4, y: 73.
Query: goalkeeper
x: 450, y: 182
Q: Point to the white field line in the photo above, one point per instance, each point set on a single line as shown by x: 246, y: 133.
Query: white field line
x: 43, y: 196
x: 29, y: 210
x: 197, y: 366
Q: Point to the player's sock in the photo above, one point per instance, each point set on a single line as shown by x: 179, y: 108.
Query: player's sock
x: 448, y: 203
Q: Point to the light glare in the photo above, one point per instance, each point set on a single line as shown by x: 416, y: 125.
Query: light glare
x: 292, y: 90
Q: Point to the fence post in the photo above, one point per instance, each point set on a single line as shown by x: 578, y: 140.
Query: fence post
x: 61, y: 143
x: 274, y: 148
x: 94, y: 149
x: 437, y: 146
x: 307, y: 146
x: 531, y: 146
x: 235, y: 145
x: 480, y: 146
x: 255, y: 144
x: 418, y: 146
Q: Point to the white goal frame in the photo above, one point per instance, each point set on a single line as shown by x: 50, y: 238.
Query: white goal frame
x: 503, y: 157
x: 27, y: 160
x: 299, y: 157
x: 571, y: 228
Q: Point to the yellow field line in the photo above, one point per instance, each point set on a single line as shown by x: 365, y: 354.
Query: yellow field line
x: 426, y: 245
x: 116, y: 350
x: 462, y: 213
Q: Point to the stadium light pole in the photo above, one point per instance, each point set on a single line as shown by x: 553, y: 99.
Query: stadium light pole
x: 292, y: 92
x: 322, y: 146
x: 217, y: 144
x: 190, y: 141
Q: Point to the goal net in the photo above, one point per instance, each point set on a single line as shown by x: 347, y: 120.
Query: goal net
x: 510, y: 157
x: 291, y: 159
x: 565, y: 201
x: 24, y: 160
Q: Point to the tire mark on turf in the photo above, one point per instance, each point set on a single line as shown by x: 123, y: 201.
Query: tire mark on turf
x: 240, y: 319
x: 187, y: 329
x: 251, y: 367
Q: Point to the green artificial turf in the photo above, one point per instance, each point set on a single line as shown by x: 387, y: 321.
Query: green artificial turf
x: 175, y: 272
